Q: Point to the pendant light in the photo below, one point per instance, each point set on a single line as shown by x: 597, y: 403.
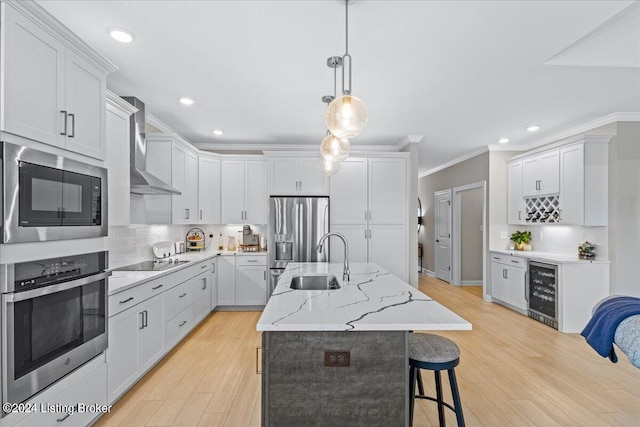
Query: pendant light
x: 333, y: 148
x: 346, y: 116
x: 328, y: 167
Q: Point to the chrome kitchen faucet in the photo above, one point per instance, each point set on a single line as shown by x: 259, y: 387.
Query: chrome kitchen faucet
x: 346, y: 272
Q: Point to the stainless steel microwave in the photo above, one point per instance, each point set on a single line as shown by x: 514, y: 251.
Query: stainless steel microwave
x: 49, y: 197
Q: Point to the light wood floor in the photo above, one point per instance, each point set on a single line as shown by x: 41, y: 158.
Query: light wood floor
x: 513, y: 372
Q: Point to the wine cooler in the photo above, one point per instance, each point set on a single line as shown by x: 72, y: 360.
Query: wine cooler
x: 542, y: 290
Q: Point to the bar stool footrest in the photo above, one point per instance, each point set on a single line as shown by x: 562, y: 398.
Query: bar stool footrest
x: 433, y: 399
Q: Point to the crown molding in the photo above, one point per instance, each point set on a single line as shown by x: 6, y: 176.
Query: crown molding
x: 585, y: 127
x: 118, y: 102
x: 285, y: 147
x: 455, y: 161
x: 408, y: 140
x: 51, y: 25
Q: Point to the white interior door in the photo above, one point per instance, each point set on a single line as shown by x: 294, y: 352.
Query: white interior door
x: 443, y: 235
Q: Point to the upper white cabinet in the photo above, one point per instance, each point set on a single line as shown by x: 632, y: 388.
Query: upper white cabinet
x: 184, y: 177
x: 584, y: 182
x: 541, y: 174
x: 369, y: 202
x: 117, y: 160
x: 296, y: 176
x: 208, y: 190
x: 244, y: 191
x: 52, y: 92
x: 515, y: 202
x: 566, y: 185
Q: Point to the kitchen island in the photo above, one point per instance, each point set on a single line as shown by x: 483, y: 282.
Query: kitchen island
x: 340, y: 357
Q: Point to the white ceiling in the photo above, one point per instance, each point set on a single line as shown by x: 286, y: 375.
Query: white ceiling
x: 461, y: 74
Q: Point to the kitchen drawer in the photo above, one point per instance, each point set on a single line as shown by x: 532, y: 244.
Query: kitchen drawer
x: 177, y: 299
x: 90, y: 390
x: 513, y: 261
x: 127, y: 299
x: 250, y: 260
x: 178, y: 327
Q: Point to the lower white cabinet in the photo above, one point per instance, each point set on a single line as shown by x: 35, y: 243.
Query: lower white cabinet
x: 227, y: 280
x: 179, y: 326
x: 242, y: 280
x: 508, y: 280
x: 201, y: 294
x: 136, y: 342
x: 251, y: 280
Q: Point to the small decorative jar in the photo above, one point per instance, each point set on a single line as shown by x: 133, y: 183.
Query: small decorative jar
x: 587, y: 251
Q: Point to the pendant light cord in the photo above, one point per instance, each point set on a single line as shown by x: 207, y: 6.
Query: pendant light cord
x: 346, y: 55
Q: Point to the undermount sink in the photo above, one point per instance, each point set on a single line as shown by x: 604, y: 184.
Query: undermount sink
x: 315, y: 282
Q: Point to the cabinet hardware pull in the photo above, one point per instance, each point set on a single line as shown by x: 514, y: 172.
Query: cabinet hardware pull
x: 127, y: 300
x: 526, y: 285
x: 213, y: 266
x: 183, y: 295
x: 204, y: 283
x: 156, y: 287
x: 141, y: 320
x: 186, y: 213
x: 200, y: 213
x: 59, y: 420
x: 65, y: 122
x: 495, y: 257
x: 258, y: 371
x: 506, y: 274
x: 365, y: 234
x: 184, y: 322
x: 264, y: 274
x: 203, y: 266
x: 514, y: 261
x: 73, y: 125
x: 146, y: 318
x: 519, y: 215
x: 365, y: 215
x: 252, y: 260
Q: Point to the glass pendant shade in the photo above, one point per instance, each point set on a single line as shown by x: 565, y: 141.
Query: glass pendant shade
x: 335, y: 149
x: 346, y: 116
x: 329, y: 168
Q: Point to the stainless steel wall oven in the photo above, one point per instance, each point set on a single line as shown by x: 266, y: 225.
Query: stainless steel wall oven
x: 50, y: 197
x: 542, y: 292
x: 54, y: 319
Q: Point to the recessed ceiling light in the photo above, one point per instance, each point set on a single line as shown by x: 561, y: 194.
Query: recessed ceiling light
x: 533, y: 128
x: 218, y: 132
x: 123, y: 36
x: 503, y: 140
x: 186, y: 101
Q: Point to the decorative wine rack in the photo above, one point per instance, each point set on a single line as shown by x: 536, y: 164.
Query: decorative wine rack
x: 542, y: 210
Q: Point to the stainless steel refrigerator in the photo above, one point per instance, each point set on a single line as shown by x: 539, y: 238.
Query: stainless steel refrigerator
x: 296, y: 224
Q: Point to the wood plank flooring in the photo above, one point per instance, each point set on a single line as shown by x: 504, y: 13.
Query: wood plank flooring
x: 513, y: 372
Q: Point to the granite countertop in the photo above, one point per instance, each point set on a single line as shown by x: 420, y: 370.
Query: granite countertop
x: 373, y: 300
x: 548, y: 257
x: 122, y: 280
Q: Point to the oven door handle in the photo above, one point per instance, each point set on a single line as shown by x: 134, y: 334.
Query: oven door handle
x: 52, y: 289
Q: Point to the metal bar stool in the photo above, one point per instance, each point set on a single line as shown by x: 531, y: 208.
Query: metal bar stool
x: 434, y: 353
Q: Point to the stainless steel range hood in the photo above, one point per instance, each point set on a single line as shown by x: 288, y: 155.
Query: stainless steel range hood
x: 142, y: 182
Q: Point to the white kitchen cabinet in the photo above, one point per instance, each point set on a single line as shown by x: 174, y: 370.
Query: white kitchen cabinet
x: 508, y: 280
x: 244, y: 192
x: 251, y: 280
x: 179, y: 326
x: 117, y: 159
x: 56, y: 96
x: 184, y: 177
x: 515, y: 200
x: 201, y: 294
x: 227, y: 280
x: 136, y: 342
x: 208, y: 190
x: 584, y: 182
x: 214, y: 283
x: 369, y: 202
x: 293, y: 176
x: 541, y: 174
x: 349, y: 202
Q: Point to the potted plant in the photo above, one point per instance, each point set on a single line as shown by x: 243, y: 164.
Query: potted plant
x: 521, y: 238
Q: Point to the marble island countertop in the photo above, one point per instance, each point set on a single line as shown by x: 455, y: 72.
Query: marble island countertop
x: 373, y: 300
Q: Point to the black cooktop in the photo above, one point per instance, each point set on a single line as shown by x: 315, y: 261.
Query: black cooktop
x: 152, y: 265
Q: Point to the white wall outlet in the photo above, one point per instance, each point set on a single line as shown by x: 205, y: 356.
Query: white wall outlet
x: 504, y: 235
x: 541, y: 236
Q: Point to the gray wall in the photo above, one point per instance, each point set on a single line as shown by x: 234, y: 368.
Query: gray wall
x: 470, y: 171
x: 471, y: 235
x: 624, y: 209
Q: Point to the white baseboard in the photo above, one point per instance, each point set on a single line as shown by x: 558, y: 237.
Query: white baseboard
x: 428, y: 272
x: 471, y: 283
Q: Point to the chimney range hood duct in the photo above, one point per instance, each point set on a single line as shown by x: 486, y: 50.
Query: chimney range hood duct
x: 142, y: 182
